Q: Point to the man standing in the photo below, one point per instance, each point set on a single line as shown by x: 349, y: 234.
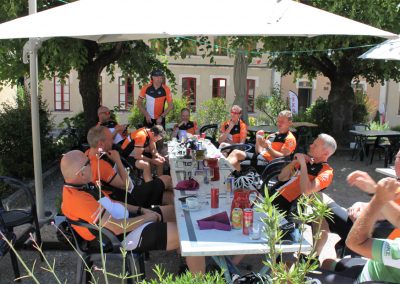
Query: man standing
x: 155, y: 93
x: 117, y: 130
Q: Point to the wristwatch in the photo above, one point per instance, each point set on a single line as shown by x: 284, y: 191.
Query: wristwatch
x: 139, y: 211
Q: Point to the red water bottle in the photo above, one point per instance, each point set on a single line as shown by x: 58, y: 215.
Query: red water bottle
x: 214, y: 197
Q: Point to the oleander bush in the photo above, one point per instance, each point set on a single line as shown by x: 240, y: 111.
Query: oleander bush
x: 212, y: 111
x: 270, y: 106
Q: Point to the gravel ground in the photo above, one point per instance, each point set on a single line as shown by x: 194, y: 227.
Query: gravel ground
x: 66, y: 260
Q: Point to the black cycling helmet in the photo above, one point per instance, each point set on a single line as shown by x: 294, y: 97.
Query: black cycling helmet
x: 157, y: 72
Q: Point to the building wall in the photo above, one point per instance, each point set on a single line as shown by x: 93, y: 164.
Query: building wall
x: 8, y: 95
x: 321, y: 87
x: 195, y: 66
x: 393, y: 103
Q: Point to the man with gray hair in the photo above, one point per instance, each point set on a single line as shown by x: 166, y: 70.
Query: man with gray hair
x: 306, y: 174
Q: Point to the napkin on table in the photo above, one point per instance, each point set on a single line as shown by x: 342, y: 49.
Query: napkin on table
x: 218, y: 221
x: 189, y: 184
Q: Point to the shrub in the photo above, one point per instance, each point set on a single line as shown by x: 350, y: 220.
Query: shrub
x: 378, y: 126
x: 16, y: 156
x: 271, y: 105
x: 175, y: 114
x: 73, y: 133
x: 136, y: 117
x: 361, y: 107
x: 212, y: 111
x: 319, y: 113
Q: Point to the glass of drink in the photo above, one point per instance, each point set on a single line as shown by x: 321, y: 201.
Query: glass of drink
x: 255, y: 231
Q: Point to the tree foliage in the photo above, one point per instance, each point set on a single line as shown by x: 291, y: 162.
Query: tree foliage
x: 340, y: 66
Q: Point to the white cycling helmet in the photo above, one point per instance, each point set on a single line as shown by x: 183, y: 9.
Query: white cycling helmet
x: 251, y: 181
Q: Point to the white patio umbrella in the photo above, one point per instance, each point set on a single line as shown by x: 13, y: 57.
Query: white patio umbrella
x: 120, y: 20
x: 388, y: 50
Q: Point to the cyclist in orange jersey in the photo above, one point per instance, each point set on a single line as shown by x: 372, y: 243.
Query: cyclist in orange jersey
x: 118, y: 131
x: 185, y: 126
x: 139, y: 147
x: 234, y: 130
x: 156, y: 94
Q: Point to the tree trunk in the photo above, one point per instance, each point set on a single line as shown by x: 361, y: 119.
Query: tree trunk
x: 240, y: 83
x: 90, y: 93
x: 341, y: 101
x: 89, y: 77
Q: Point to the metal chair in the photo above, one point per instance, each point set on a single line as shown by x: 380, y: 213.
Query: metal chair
x: 211, y: 131
x: 18, y: 208
x: 90, y: 252
x: 304, y: 138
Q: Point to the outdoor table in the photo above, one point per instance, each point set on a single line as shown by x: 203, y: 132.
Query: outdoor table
x: 387, y: 172
x: 216, y: 243
x: 304, y: 123
x: 361, y: 137
x: 267, y: 128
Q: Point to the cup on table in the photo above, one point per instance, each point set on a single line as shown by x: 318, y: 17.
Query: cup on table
x: 255, y: 231
x: 192, y: 202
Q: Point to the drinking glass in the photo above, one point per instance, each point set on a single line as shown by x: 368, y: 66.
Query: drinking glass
x: 255, y: 231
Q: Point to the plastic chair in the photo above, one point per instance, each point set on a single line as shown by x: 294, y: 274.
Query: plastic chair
x: 90, y: 252
x: 211, y: 131
x: 17, y: 208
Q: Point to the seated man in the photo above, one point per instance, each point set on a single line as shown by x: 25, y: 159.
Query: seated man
x: 234, y: 130
x: 118, y: 131
x: 140, y: 147
x: 149, y: 230
x: 107, y: 168
x: 343, y: 219
x: 384, y: 261
x: 276, y: 145
x: 306, y: 174
x: 185, y: 126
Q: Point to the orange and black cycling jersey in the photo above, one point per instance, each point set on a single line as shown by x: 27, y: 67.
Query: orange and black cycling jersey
x: 155, y: 99
x: 103, y: 166
x: 80, y: 204
x: 238, y: 132
x: 139, y: 138
x: 290, y: 190
x: 280, y: 142
x: 190, y: 127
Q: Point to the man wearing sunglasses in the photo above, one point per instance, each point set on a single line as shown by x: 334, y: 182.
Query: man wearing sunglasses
x: 146, y: 229
x: 118, y: 131
x: 234, y: 130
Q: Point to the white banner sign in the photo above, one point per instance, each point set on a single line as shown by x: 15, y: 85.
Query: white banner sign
x: 294, y: 102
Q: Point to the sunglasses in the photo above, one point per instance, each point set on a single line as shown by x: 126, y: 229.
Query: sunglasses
x: 234, y: 112
x: 106, y: 112
x: 83, y: 167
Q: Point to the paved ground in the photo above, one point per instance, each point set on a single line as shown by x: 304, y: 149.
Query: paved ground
x: 66, y: 260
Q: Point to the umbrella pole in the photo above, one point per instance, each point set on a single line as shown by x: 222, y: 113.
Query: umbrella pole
x: 37, y: 162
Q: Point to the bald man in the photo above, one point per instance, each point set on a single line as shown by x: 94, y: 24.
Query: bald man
x: 145, y: 228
